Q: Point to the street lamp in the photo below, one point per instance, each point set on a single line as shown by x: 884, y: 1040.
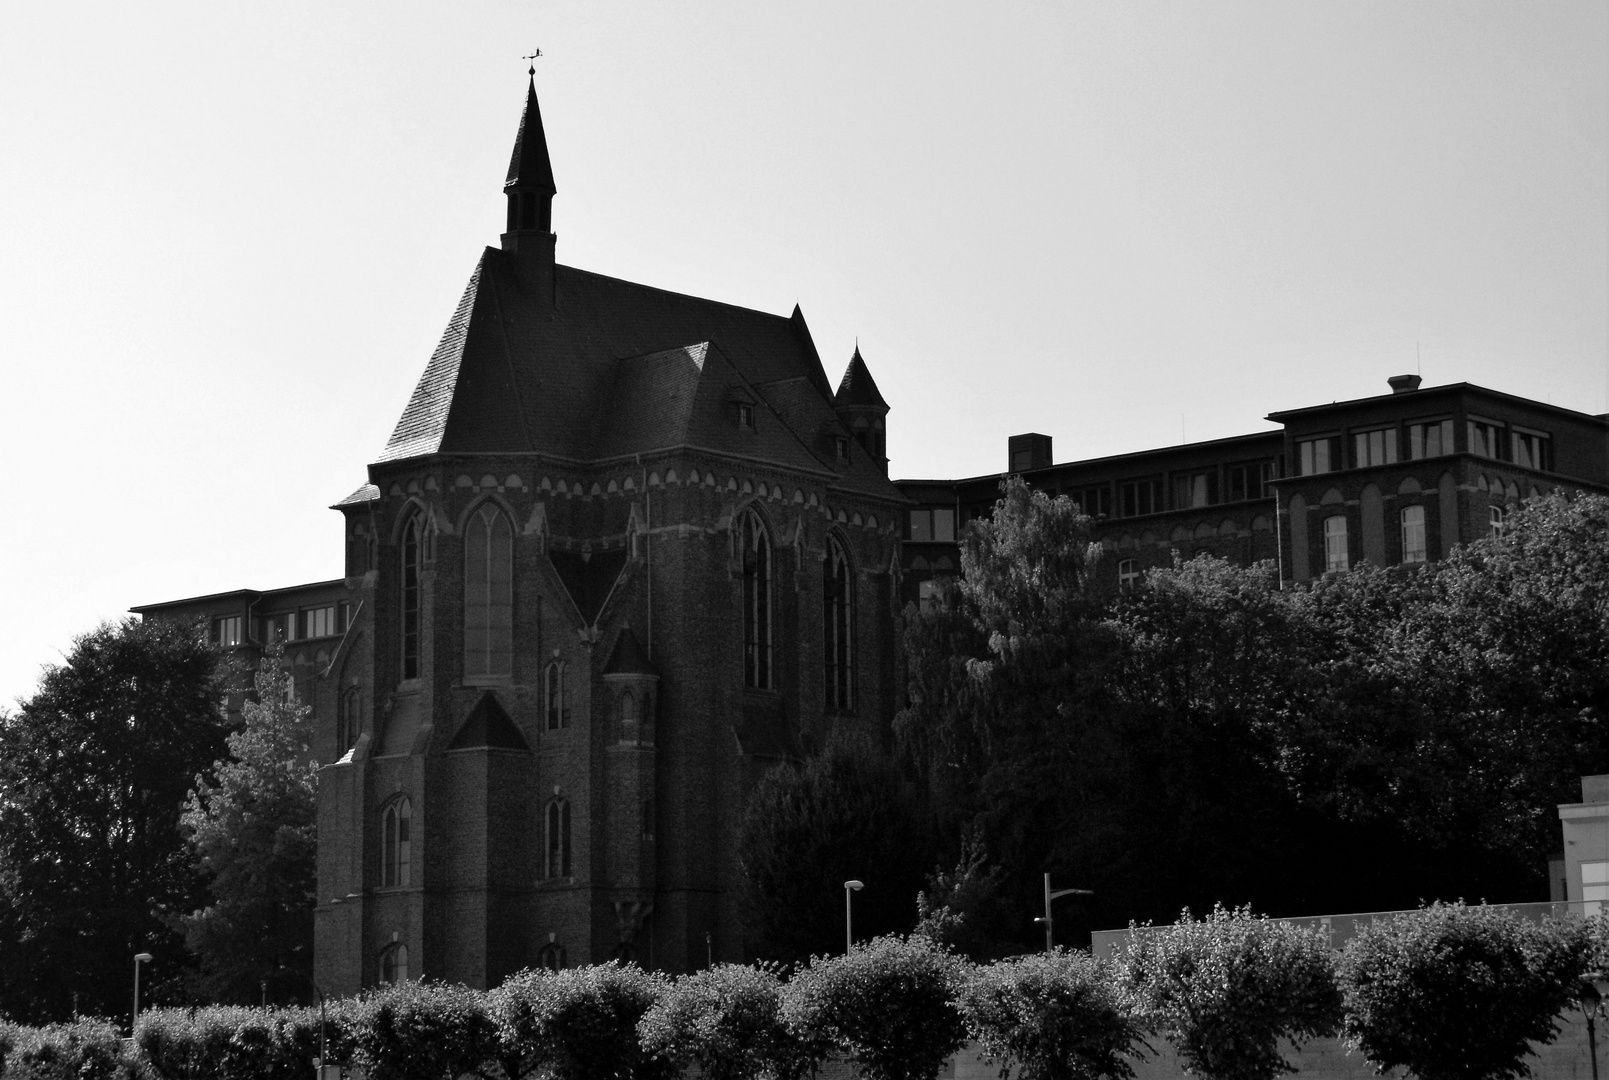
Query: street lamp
x: 139, y: 958
x: 1590, y: 996
x: 1049, y: 896
x: 849, y: 932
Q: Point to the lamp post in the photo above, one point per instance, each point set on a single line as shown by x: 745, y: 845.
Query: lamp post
x: 1049, y: 896
x: 850, y: 887
x: 139, y: 958
x: 1590, y: 996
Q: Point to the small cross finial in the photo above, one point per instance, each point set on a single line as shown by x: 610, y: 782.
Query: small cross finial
x: 532, y: 69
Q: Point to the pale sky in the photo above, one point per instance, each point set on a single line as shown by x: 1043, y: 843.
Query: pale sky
x: 231, y: 233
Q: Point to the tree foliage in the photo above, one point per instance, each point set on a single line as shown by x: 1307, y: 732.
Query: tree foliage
x: 94, y: 771
x: 727, y: 1021
x: 843, y: 814
x: 1355, y: 743
x: 889, y: 1002
x: 1057, y: 1016
x: 1452, y: 992
x: 580, y: 1023
x: 1226, y: 989
x: 253, y: 830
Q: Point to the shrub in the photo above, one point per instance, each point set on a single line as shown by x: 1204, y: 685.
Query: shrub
x: 727, y: 1020
x: 889, y: 1002
x: 1458, y: 992
x: 422, y: 1031
x: 228, y: 1043
x: 87, y: 1049
x: 1057, y: 1015
x: 1226, y: 989
x: 580, y: 1023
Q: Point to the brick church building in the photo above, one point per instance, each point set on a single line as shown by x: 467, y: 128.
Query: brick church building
x: 627, y: 549
x: 624, y: 550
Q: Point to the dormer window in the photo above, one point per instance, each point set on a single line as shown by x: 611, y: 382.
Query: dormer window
x: 840, y: 447
x: 745, y: 416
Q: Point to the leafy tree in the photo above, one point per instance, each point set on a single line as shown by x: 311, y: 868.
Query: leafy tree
x: 580, y: 1023
x: 1056, y: 1016
x: 1226, y: 989
x: 889, y: 1002
x: 963, y: 909
x: 1452, y: 992
x: 94, y: 770
x: 423, y: 1031
x: 727, y: 1021
x: 844, y: 814
x: 253, y: 830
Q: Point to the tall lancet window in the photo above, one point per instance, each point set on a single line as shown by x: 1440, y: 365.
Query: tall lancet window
x: 412, y: 551
x: 838, y: 617
x: 756, y: 602
x: 488, y: 593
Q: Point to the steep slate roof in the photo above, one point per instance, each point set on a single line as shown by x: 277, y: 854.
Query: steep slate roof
x: 857, y: 386
x: 610, y: 368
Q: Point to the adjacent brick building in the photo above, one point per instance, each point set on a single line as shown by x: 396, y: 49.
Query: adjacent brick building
x: 1397, y: 478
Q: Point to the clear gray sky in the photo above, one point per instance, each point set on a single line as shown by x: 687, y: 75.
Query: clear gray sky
x: 231, y: 233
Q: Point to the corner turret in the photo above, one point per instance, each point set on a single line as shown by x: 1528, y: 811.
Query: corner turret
x: 862, y: 409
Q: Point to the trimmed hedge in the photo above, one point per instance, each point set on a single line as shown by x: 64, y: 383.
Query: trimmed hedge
x: 1448, y: 991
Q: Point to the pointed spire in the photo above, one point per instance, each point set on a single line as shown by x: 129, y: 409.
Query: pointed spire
x: 530, y: 166
x: 858, y: 389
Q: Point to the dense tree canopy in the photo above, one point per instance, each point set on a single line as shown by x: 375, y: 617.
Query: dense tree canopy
x: 94, y: 771
x: 1363, y: 742
x: 253, y: 830
x: 843, y: 814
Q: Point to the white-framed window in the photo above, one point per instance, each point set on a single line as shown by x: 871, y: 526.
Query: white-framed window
x: 1497, y: 521
x: 226, y: 631
x: 557, y: 697
x: 1191, y: 490
x: 756, y: 602
x: 396, y: 843
x: 930, y: 595
x: 1128, y: 574
x: 1532, y: 449
x: 394, y: 964
x: 1319, y: 455
x: 1486, y: 439
x: 1335, y: 551
x: 933, y: 524
x: 1378, y: 447
x: 1430, y: 438
x: 1413, y: 534
x: 1594, y: 887
x: 557, y: 830
x: 317, y: 622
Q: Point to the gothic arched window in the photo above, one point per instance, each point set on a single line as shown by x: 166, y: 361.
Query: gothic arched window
x: 838, y: 627
x: 396, y: 843
x: 558, y: 839
x: 348, y: 719
x: 394, y: 963
x: 551, y: 957
x: 629, y: 718
x: 756, y: 602
x: 558, y: 700
x: 412, y: 553
x: 488, y: 593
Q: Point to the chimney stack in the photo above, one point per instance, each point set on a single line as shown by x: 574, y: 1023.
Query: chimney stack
x: 1404, y: 384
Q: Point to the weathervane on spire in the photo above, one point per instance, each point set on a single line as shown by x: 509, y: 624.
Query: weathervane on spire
x: 532, y: 57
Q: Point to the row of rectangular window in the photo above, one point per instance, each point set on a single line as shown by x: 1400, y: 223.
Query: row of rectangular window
x: 327, y: 620
x: 1426, y: 439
